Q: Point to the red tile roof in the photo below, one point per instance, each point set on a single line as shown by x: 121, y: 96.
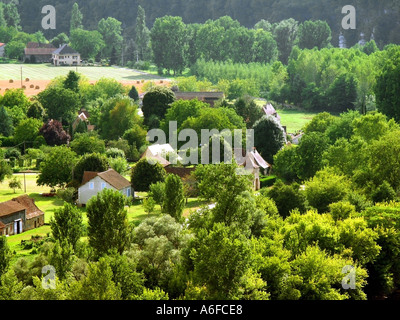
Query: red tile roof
x: 10, y: 207
x: 32, y: 210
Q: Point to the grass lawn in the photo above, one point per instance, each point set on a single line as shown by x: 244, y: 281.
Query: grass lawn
x: 48, y: 72
x: 295, y: 120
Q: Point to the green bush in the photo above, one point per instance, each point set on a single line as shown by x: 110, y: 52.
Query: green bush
x: 267, y: 181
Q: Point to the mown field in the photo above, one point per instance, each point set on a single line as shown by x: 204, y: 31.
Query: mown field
x: 48, y: 72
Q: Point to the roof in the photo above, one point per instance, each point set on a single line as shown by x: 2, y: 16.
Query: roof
x: 39, y: 51
x: 254, y: 160
x: 2, y: 225
x: 65, y: 49
x: 164, y: 162
x: 36, y: 48
x: 111, y: 176
x: 2, y: 44
x: 204, y: 95
x: 28, y: 203
x: 10, y: 207
x: 161, y: 150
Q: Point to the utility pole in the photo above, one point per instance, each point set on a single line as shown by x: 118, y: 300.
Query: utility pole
x: 21, y: 78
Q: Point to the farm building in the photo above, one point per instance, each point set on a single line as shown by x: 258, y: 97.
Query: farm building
x: 161, y: 153
x: 269, y: 110
x: 255, y: 164
x: 2, y: 49
x: 38, y: 52
x: 66, y: 56
x: 95, y: 182
x: 19, y: 215
x: 207, y: 97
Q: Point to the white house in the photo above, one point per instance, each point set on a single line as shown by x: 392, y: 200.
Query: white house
x: 66, y: 56
x: 161, y: 153
x: 95, y: 182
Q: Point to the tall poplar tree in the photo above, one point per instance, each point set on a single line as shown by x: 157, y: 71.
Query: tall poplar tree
x: 76, y: 18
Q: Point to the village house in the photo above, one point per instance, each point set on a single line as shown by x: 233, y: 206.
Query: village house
x: 38, y: 52
x: 254, y: 164
x: 66, y: 56
x: 208, y: 97
x: 2, y: 49
x: 95, y: 182
x: 19, y: 215
x: 161, y: 153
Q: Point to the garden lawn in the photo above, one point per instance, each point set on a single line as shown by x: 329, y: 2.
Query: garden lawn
x: 295, y: 120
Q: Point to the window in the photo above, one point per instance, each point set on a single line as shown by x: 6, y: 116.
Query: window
x: 128, y: 192
x: 103, y: 185
x: 91, y: 185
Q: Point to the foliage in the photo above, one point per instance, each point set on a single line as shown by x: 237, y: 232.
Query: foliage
x: 269, y: 137
x: 67, y: 225
x: 56, y: 167
x: 94, y: 162
x: 156, y: 102
x: 87, y: 143
x: 174, y: 200
x: 145, y: 173
x: 15, y: 183
x: 108, y: 227
x: 54, y: 133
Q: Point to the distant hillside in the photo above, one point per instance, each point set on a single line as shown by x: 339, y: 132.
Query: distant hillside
x: 381, y: 16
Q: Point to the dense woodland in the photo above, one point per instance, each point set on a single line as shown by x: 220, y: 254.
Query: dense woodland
x: 381, y: 15
x: 334, y: 202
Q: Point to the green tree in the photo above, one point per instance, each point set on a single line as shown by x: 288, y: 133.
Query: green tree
x: 87, y: 143
x: 342, y: 95
x: 11, y: 14
x: 248, y: 110
x: 310, y: 154
x: 174, y: 200
x: 94, y: 162
x: 5, y: 255
x: 97, y: 285
x: 27, y: 130
x: 15, y: 183
x: 387, y: 100
x: 157, y: 192
x: 142, y: 35
x: 6, y: 123
x: 326, y: 188
x: 220, y: 246
x: 15, y: 50
x: 59, y: 40
x: 287, y: 198
x: 145, y: 173
x: 87, y: 43
x: 67, y: 225
x: 61, y: 104
x: 121, y: 110
x: 269, y: 137
x: 285, y: 34
x: 36, y: 111
x: 76, y: 18
x: 168, y: 40
x: 5, y: 170
x: 56, y: 167
x: 133, y: 94
x: 314, y: 34
x: 156, y: 102
x: 111, y: 30
x: 72, y: 81
x: 108, y: 227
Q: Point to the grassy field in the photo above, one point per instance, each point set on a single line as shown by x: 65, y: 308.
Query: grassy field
x: 48, y: 72
x: 295, y: 120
